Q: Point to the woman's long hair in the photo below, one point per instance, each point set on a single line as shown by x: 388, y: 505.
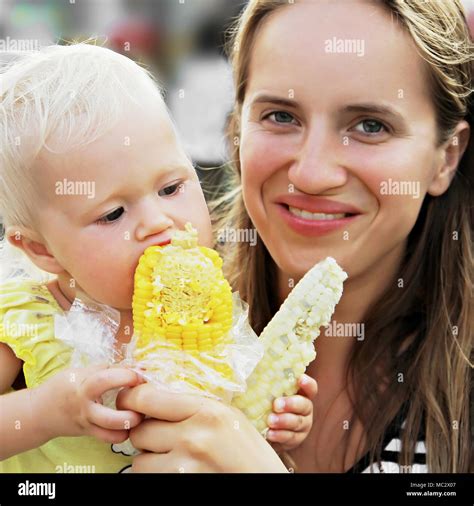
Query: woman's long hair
x: 433, y: 313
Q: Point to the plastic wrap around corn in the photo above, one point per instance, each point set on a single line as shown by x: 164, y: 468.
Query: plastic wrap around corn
x: 288, y: 340
x: 182, y: 313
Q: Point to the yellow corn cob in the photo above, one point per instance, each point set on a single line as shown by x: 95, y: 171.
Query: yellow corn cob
x: 183, y: 303
x: 288, y: 340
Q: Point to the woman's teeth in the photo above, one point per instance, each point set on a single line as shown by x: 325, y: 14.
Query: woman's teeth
x: 315, y: 216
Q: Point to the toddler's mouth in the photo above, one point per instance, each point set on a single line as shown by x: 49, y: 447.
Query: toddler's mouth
x: 163, y: 243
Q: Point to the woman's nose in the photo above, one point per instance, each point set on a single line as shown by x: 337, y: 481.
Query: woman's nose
x: 153, y: 219
x: 315, y: 168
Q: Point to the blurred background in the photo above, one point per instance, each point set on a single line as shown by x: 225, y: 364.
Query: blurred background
x: 180, y: 40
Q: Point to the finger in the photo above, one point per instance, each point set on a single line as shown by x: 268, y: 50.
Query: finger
x: 289, y: 421
x: 149, y: 463
x: 159, y: 403
x: 161, y: 463
x: 308, y: 386
x: 293, y: 404
x: 109, y: 418
x: 166, y: 463
x: 282, y: 437
x: 288, y: 441
x: 154, y: 436
x: 108, y: 436
x: 107, y: 379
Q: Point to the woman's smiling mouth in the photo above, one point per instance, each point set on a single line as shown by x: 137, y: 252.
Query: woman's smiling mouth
x: 314, y: 216
x: 314, y: 224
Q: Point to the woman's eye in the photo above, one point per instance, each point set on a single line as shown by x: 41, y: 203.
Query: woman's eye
x: 170, y: 190
x: 280, y: 117
x: 371, y: 126
x: 111, y: 217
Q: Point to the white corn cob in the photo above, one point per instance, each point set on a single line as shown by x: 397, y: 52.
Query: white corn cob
x: 288, y: 340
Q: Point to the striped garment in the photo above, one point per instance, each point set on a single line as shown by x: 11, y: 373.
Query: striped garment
x: 391, y: 451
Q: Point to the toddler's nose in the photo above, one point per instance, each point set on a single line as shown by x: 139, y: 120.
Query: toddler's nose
x: 153, y: 221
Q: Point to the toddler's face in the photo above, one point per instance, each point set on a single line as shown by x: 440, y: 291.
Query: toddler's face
x: 103, y: 204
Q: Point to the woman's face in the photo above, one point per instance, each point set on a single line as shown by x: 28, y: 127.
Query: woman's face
x: 338, y: 136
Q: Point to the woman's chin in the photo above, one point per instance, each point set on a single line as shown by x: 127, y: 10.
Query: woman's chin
x: 298, y: 263
x: 294, y: 271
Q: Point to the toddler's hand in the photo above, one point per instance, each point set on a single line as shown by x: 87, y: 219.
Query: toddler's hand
x: 292, y: 416
x: 71, y: 405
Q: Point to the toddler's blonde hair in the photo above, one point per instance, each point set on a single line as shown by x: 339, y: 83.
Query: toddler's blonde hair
x: 57, y: 98
x: 71, y: 94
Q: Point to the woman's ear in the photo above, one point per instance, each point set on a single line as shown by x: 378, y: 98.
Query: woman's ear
x: 33, y: 246
x: 451, y: 154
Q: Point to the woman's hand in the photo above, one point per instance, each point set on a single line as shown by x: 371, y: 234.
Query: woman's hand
x: 70, y: 404
x: 194, y: 434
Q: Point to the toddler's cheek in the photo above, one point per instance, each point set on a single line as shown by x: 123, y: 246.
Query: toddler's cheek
x: 113, y: 287
x: 121, y: 295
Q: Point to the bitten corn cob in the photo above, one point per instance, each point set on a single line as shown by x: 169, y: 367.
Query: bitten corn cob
x: 182, y: 309
x: 288, y: 340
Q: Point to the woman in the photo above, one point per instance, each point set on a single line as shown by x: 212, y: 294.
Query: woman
x: 352, y: 136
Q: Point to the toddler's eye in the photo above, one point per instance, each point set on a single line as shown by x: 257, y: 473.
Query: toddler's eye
x: 111, y: 217
x: 371, y: 126
x: 280, y: 117
x: 170, y: 190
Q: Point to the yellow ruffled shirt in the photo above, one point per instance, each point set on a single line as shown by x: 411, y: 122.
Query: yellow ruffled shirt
x: 27, y: 311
